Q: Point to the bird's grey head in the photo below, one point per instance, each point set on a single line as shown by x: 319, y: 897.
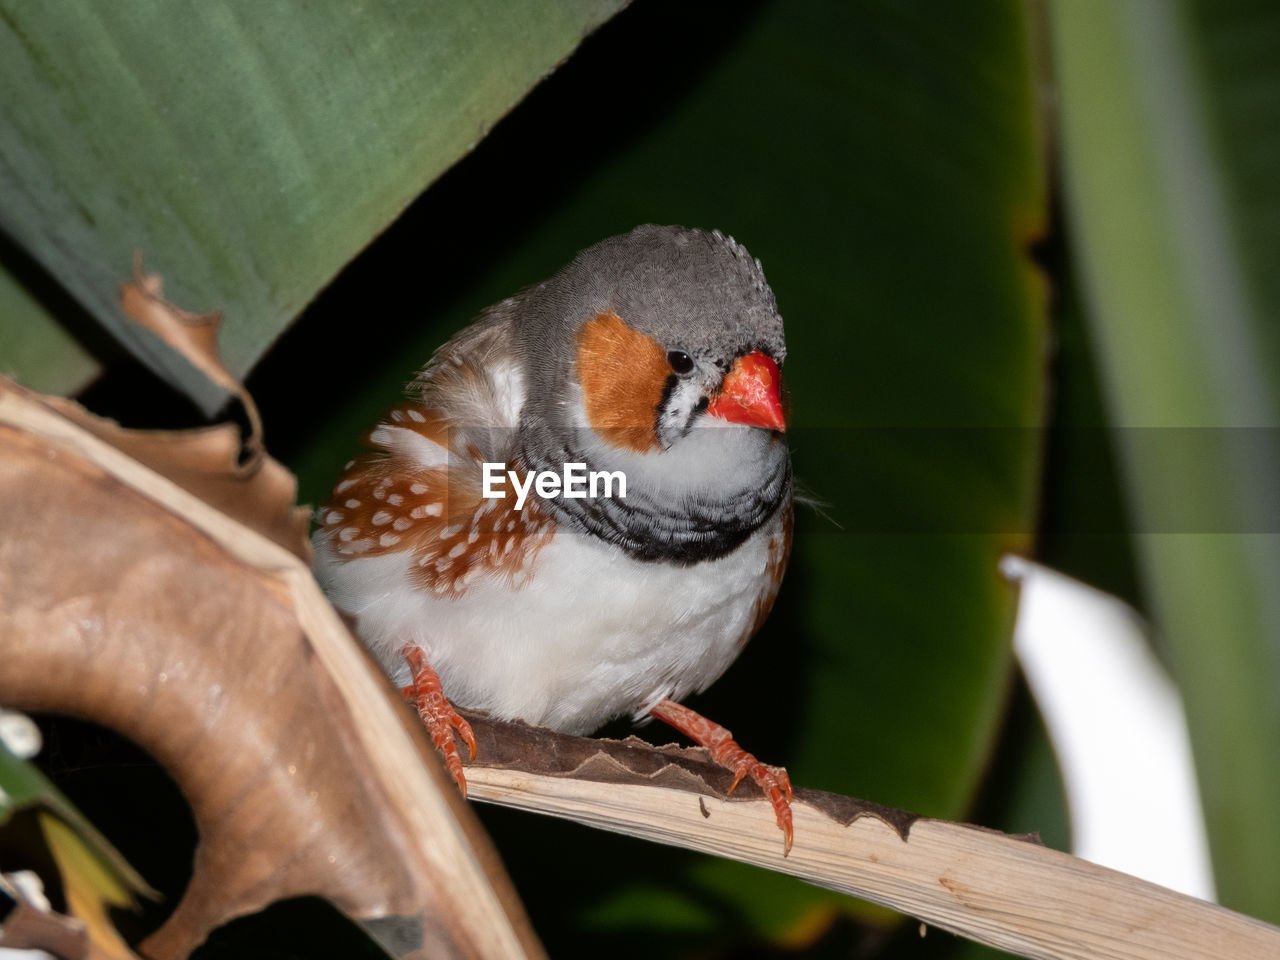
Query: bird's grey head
x: 648, y: 323
x: 685, y: 288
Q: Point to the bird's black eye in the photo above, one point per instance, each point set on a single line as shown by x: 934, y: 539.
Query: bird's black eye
x: 680, y: 362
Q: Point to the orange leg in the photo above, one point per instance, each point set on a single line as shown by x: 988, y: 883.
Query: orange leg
x: 725, y: 751
x: 437, y: 713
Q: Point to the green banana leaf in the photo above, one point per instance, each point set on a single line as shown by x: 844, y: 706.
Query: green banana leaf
x: 885, y: 163
x: 1170, y: 138
x: 245, y: 150
x: 35, y: 348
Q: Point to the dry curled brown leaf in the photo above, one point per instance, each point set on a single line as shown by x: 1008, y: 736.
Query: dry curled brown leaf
x: 261, y: 494
x: 125, y: 600
x: 225, y: 469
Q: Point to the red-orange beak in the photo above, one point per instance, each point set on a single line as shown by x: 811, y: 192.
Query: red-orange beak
x: 751, y: 394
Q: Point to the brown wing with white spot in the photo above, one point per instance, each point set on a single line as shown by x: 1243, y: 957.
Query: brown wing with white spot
x: 414, y: 492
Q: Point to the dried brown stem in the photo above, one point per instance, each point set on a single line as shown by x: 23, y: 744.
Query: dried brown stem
x: 1008, y: 892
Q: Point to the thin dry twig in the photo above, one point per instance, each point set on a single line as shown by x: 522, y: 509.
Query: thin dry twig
x: 1004, y: 891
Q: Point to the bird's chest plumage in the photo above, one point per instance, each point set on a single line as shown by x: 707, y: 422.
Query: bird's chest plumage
x: 593, y: 634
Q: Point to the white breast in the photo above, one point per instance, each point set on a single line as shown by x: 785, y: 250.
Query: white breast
x: 595, y: 634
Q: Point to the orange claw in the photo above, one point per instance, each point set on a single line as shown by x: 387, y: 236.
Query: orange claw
x: 725, y: 751
x: 437, y: 713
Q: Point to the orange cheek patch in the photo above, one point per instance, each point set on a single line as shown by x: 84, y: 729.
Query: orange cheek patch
x: 622, y: 373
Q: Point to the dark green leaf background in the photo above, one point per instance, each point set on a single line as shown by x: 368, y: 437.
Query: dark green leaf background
x: 884, y: 164
x: 885, y: 160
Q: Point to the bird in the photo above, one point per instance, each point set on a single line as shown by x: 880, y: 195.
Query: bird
x: 650, y: 365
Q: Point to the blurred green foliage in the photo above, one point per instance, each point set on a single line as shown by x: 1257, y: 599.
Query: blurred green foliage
x: 1170, y: 113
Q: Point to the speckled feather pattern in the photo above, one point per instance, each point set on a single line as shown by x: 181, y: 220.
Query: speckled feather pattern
x: 388, y: 503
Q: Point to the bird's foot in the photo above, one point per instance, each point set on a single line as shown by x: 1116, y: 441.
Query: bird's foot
x: 725, y: 751
x: 437, y: 713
